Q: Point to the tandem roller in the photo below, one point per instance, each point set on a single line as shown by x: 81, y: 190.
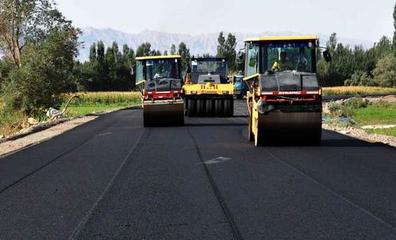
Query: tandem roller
x: 284, y: 99
x: 161, y: 84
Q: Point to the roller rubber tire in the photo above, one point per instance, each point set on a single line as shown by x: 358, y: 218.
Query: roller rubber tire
x: 209, y: 106
x: 218, y: 107
x: 191, y: 107
x: 200, y: 106
x: 227, y: 107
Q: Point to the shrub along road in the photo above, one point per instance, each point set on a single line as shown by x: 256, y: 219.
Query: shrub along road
x: 113, y: 179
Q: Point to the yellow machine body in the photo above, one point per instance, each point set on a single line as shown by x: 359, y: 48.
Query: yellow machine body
x: 284, y: 106
x: 207, y: 91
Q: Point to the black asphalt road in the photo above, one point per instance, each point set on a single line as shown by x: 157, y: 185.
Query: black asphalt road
x: 113, y: 179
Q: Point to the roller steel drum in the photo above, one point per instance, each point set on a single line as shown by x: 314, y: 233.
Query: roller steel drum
x: 163, y: 113
x: 287, y: 125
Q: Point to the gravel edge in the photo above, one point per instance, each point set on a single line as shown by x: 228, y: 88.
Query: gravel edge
x: 360, y: 134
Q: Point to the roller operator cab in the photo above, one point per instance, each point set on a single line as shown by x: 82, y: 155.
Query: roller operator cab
x: 207, y: 90
x: 159, y: 79
x: 284, y: 98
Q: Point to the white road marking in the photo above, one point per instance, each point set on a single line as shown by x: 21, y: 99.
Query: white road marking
x: 217, y: 160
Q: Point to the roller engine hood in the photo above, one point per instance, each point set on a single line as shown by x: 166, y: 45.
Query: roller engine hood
x: 289, y: 81
x: 164, y: 84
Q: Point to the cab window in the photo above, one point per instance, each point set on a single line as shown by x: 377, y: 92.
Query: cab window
x: 139, y: 71
x: 252, y: 60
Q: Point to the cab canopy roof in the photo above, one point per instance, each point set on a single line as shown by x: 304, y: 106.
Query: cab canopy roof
x: 282, y: 38
x: 158, y: 57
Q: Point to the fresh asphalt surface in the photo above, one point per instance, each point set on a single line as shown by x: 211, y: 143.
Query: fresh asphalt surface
x: 113, y: 179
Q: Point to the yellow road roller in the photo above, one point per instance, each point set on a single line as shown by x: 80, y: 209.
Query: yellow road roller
x: 208, y: 92
x: 159, y: 79
x: 284, y: 98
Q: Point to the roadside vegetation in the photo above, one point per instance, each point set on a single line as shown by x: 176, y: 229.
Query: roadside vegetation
x: 356, y: 91
x: 38, y: 66
x: 361, y: 113
x: 95, y: 102
x: 386, y: 131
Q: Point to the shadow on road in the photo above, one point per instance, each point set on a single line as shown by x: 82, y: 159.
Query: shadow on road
x: 215, y: 124
x: 350, y: 142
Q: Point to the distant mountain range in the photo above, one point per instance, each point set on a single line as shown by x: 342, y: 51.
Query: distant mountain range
x: 198, y: 44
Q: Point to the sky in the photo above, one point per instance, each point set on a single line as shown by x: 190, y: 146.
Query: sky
x: 358, y: 19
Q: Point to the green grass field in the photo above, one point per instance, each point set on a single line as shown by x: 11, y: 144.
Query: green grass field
x: 388, y: 131
x: 80, y: 110
x: 375, y: 114
x: 94, y: 102
x: 360, y: 112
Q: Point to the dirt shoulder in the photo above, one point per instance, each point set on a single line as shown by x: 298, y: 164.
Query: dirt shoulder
x: 360, y: 132
x: 11, y: 146
x: 362, y: 135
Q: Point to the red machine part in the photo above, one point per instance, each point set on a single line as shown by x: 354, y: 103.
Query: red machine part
x: 161, y: 95
x: 291, y: 96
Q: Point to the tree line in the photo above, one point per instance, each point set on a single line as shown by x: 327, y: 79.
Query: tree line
x: 357, y: 66
x: 110, y: 69
x: 39, y: 46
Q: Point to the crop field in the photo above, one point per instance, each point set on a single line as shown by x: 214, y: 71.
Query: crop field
x: 356, y: 90
x: 93, y: 102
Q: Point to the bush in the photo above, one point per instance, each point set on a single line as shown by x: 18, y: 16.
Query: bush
x: 356, y: 102
x: 339, y: 110
x: 45, y: 73
x: 385, y: 71
x: 360, y: 78
x: 10, y: 121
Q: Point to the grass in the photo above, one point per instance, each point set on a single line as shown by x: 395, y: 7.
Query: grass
x: 80, y: 110
x: 359, y: 112
x: 356, y: 90
x: 88, y: 98
x: 375, y: 114
x: 11, y: 122
x: 388, y: 131
x: 86, y: 103
x: 93, y: 102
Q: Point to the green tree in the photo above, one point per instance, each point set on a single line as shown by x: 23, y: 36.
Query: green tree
x: 156, y: 53
x: 394, y: 33
x: 184, y: 52
x: 226, y: 49
x: 360, y: 78
x: 109, y: 70
x: 44, y: 73
x: 92, y: 53
x: 173, y: 49
x: 144, y: 50
x: 125, y: 69
x: 385, y: 71
x: 221, y: 49
x: 40, y: 46
x: 111, y: 63
x: 382, y: 48
x: 24, y: 21
x: 101, y: 68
